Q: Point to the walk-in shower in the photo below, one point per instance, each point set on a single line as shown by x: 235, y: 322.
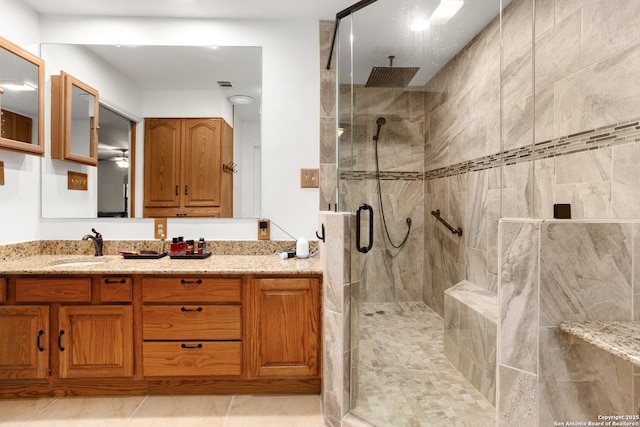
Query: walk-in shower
x: 393, y: 155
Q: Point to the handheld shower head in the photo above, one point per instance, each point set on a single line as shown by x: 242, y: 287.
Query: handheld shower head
x: 380, y: 122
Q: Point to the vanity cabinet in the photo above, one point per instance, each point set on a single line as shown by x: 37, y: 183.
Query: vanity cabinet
x: 24, y: 333
x: 285, y: 319
x: 58, y: 327
x: 95, y: 341
x: 160, y: 333
x: 192, y: 326
x: 183, y: 173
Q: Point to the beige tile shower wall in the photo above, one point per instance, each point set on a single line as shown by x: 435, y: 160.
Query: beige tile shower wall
x: 555, y: 271
x: 386, y: 273
x: 565, y: 67
x: 587, y: 65
x: 327, y: 198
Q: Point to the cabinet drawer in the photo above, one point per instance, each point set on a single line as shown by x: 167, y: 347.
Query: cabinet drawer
x: 3, y: 289
x: 201, y: 322
x: 115, y: 289
x: 53, y: 290
x: 192, y: 358
x: 190, y: 289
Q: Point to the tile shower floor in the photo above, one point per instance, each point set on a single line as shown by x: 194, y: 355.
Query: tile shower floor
x: 404, y: 378
x: 161, y: 411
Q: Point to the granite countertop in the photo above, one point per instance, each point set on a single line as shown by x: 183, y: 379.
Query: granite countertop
x: 620, y: 338
x: 116, y: 264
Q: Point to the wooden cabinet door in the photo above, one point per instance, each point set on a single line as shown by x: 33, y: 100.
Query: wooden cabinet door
x: 285, y: 323
x: 202, y: 163
x: 162, y: 162
x: 24, y: 342
x: 96, y: 341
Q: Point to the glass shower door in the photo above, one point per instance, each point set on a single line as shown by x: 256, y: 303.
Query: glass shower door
x: 394, y: 83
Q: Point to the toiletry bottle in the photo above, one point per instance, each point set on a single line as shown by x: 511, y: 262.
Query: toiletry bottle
x: 202, y: 246
x: 181, y: 246
x: 189, y: 245
x: 175, y: 247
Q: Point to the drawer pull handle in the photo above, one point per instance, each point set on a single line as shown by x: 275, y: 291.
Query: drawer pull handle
x: 60, y: 340
x: 188, y: 282
x: 185, y: 309
x: 40, y: 334
x: 111, y: 282
x: 191, y: 346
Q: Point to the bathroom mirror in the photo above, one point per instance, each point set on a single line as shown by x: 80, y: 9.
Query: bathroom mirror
x: 138, y: 81
x: 74, y: 120
x: 21, y: 100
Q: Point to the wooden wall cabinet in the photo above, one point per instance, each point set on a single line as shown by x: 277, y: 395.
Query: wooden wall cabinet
x: 74, y: 120
x: 285, y: 321
x: 183, y: 173
x: 15, y: 126
x: 21, y: 100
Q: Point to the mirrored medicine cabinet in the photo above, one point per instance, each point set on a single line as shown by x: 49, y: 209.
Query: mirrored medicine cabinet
x: 21, y: 100
x: 74, y: 120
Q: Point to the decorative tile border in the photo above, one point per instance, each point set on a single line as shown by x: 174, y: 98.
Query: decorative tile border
x: 606, y: 136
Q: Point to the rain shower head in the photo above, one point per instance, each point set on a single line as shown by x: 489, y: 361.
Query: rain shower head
x: 391, y: 76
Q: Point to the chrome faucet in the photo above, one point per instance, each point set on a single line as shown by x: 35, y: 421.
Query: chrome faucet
x: 97, y: 241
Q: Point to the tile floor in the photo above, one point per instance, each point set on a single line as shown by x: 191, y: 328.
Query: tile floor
x: 160, y: 411
x: 404, y: 378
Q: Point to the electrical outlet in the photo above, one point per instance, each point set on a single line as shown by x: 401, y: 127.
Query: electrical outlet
x: 309, y: 178
x: 264, y: 229
x: 160, y: 228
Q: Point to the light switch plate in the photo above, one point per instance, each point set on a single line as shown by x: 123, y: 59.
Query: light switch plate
x: 160, y: 228
x: 77, y: 181
x: 309, y: 178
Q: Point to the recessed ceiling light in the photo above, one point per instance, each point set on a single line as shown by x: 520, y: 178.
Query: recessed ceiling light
x: 419, y: 24
x: 445, y: 11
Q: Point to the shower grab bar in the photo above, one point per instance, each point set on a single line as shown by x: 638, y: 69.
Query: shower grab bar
x: 457, y: 231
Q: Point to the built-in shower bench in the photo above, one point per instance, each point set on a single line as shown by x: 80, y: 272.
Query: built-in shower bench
x: 470, y: 333
x: 620, y: 338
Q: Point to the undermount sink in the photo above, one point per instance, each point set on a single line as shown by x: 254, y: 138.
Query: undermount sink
x: 78, y: 263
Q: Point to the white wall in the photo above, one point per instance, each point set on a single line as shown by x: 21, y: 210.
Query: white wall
x: 20, y: 195
x: 290, y: 109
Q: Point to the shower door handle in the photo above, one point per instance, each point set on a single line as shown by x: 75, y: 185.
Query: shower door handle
x: 364, y: 207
